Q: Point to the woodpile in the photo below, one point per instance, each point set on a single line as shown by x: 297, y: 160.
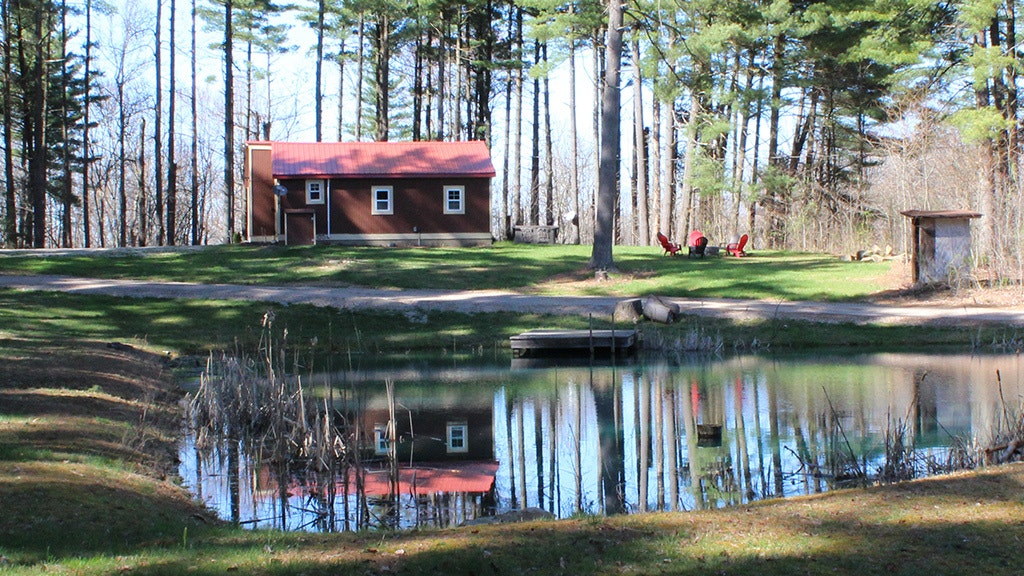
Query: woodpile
x: 653, y: 308
x: 873, y: 254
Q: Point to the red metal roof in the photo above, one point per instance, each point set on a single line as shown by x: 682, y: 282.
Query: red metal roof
x: 381, y: 159
x: 426, y: 478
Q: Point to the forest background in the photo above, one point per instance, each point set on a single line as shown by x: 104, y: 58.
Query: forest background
x: 809, y: 124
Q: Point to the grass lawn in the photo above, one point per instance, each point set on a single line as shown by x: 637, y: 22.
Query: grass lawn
x: 540, y: 269
x: 83, y: 455
x: 88, y: 431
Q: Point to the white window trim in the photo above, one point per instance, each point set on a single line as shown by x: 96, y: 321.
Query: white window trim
x: 381, y: 445
x: 465, y: 437
x: 462, y: 199
x: 323, y: 191
x: 391, y: 200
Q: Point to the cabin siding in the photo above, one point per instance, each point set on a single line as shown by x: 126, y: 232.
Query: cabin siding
x: 426, y: 440
x: 418, y: 206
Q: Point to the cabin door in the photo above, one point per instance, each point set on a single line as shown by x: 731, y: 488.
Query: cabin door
x: 299, y: 228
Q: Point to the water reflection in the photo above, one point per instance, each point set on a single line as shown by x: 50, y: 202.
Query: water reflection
x: 472, y: 442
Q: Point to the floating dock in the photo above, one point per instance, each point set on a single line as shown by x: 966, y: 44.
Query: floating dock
x: 548, y: 342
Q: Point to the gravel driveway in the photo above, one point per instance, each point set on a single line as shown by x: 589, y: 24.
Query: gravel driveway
x: 498, y: 301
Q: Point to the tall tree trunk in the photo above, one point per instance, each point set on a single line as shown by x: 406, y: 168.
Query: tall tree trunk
x: 37, y: 167
x: 535, y: 144
x: 485, y: 40
x: 778, y: 74
x: 382, y: 71
x: 143, y: 198
x: 318, y: 94
x: 755, y: 162
x: 229, y: 119
x: 506, y: 220
x: 194, y: 159
x: 664, y: 222
x: 668, y: 177
x: 574, y: 138
x: 517, y: 128
x: 775, y: 224
x: 157, y: 127
x: 738, y: 179
x: 418, y: 70
x: 172, y: 167
x: 596, y: 54
x: 10, y: 196
x: 341, y: 90
x: 361, y: 68
x: 692, y: 142
x: 122, y: 162
x: 458, y: 95
x: 639, y: 144
x: 549, y: 179
x: 86, y: 152
x: 65, y: 146
x: 441, y: 91
x: 607, y: 187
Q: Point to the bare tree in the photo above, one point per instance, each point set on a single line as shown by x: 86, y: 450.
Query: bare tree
x: 194, y: 160
x: 172, y: 167
x: 229, y: 119
x: 158, y: 151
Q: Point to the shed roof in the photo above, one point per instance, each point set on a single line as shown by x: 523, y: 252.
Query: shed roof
x: 381, y: 159
x: 940, y: 214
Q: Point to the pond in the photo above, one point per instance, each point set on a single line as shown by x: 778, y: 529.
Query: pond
x: 422, y: 445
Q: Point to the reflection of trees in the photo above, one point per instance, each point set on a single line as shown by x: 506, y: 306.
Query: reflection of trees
x: 574, y: 442
x: 608, y: 407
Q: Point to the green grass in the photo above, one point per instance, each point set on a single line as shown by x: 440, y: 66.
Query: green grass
x: 541, y: 269
x: 197, y: 327
x: 87, y: 432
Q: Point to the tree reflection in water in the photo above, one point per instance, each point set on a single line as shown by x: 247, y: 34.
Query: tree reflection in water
x: 414, y: 445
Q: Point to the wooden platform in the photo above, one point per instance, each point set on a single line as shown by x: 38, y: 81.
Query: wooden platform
x: 574, y: 342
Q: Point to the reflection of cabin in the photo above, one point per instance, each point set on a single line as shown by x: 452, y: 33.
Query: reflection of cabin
x: 431, y: 434
x: 941, y: 244
x: 369, y: 193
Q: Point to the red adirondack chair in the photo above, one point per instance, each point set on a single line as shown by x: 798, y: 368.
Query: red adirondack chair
x: 670, y: 247
x: 736, y: 248
x: 696, y: 243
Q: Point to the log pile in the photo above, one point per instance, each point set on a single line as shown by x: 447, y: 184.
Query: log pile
x: 653, y: 308
x: 873, y: 254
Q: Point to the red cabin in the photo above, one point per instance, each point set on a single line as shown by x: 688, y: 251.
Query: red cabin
x: 369, y: 193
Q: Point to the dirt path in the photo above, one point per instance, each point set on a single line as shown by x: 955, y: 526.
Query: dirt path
x: 498, y: 301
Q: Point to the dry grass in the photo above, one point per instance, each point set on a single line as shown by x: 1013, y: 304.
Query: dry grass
x: 80, y: 497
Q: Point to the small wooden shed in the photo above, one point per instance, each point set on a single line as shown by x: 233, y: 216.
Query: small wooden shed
x: 941, y: 243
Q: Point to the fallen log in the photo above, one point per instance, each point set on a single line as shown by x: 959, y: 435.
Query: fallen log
x: 658, y: 310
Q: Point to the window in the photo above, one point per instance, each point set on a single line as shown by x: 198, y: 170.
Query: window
x: 457, y: 437
x: 382, y: 202
x: 454, y: 202
x: 314, y: 191
x: 380, y: 439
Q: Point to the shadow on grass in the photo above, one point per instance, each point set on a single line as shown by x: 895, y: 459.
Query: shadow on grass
x: 944, y: 526
x: 503, y: 266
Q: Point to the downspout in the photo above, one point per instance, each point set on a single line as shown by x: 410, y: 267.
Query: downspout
x: 278, y: 217
x: 327, y: 185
